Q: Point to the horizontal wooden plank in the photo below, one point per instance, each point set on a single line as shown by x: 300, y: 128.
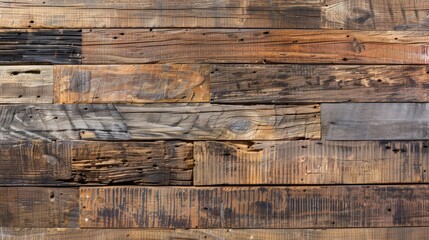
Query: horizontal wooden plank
x: 232, y: 83
x: 254, y: 207
x: 64, y: 163
x: 216, y: 234
x: 19, y: 46
x: 150, y: 13
x: 105, y: 46
x: 26, y: 84
x: 197, y: 121
x: 131, y: 83
x: 375, y: 121
x: 39, y: 207
x: 310, y: 162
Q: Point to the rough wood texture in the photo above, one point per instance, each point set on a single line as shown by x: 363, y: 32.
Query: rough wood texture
x: 221, y: 122
x: 375, y: 121
x: 131, y: 83
x: 39, y: 207
x: 318, y: 83
x: 64, y: 163
x: 26, y: 84
x: 254, y: 46
x: 255, y: 207
x: 160, y: 13
x: 216, y: 234
x: 310, y: 162
x: 375, y: 14
x: 40, y: 46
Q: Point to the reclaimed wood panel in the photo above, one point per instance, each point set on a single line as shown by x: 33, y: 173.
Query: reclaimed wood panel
x: 39, y: 207
x: 377, y: 15
x: 131, y: 83
x: 115, y: 46
x: 310, y: 162
x: 64, y: 163
x: 375, y: 121
x: 254, y: 207
x: 216, y: 234
x: 26, y: 84
x: 244, y: 83
x: 155, y: 13
x: 43, y: 46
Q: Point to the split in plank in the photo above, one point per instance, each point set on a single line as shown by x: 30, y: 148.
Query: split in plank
x: 64, y: 163
x: 310, y: 162
x: 39, y: 207
x: 192, y: 121
x: 114, y: 46
x: 231, y: 83
x: 375, y: 121
x: 160, y: 13
x: 131, y: 83
x: 254, y: 207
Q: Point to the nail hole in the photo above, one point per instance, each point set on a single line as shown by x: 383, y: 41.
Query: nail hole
x: 51, y: 195
x: 38, y: 96
x: 150, y: 29
x: 344, y: 59
x: 266, y: 33
x: 155, y: 165
x: 387, y: 147
x: 122, y: 34
x: 379, y: 80
x: 115, y: 37
x: 389, y: 210
x: 31, y: 21
x: 55, y: 117
x: 303, y: 146
x: 242, y: 39
x: 20, y: 96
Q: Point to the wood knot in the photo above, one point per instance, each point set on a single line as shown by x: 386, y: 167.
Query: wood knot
x: 358, y: 47
x: 240, y: 125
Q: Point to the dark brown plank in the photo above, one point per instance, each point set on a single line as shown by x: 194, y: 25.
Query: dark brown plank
x: 39, y: 207
x: 19, y: 46
x: 255, y: 207
x: 239, y: 84
x: 310, y: 162
x: 375, y: 121
x: 131, y: 83
x: 111, y: 46
x: 216, y: 234
x: 160, y: 13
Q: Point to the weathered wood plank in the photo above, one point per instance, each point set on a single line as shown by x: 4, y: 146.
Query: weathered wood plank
x: 375, y: 121
x: 216, y: 234
x: 170, y: 13
x: 26, y: 84
x: 104, y: 46
x: 380, y: 14
x: 19, y: 46
x: 231, y: 83
x: 64, y: 163
x: 131, y: 83
x: 39, y: 207
x: 255, y: 207
x: 310, y: 162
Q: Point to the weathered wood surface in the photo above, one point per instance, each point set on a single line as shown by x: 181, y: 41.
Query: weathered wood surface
x: 375, y: 121
x: 255, y: 207
x: 245, y: 83
x: 19, y: 46
x: 216, y: 234
x: 105, y: 46
x: 160, y: 13
x: 377, y: 15
x: 39, y: 207
x: 26, y: 84
x: 64, y: 163
x: 198, y: 121
x: 131, y: 83
x: 310, y: 162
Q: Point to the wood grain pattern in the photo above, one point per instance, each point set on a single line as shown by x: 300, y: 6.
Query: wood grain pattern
x: 111, y: 46
x: 160, y: 13
x: 375, y: 121
x: 131, y: 83
x: 26, y: 84
x: 39, y: 207
x: 216, y: 234
x: 19, y: 46
x: 64, y: 163
x: 243, y: 83
x: 254, y: 207
x: 310, y: 162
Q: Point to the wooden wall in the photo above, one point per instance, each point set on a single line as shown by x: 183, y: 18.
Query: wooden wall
x: 201, y: 119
